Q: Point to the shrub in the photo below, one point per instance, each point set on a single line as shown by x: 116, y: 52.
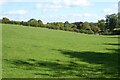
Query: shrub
x: 86, y: 31
x: 75, y: 30
x: 5, y: 20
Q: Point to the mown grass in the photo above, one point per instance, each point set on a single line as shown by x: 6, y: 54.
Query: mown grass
x: 43, y: 53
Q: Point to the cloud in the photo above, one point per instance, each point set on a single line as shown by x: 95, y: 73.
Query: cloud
x: 48, y: 6
x: 8, y: 1
x: 19, y: 15
x: 51, y: 5
x: 74, y: 17
x: 119, y: 6
x: 5, y: 1
x: 1, y: 16
x: 84, y: 15
x: 76, y: 2
x: 115, y: 5
x: 2, y: 2
x: 18, y: 12
x: 108, y: 11
x: 67, y: 2
x: 112, y: 9
x: 104, y: 0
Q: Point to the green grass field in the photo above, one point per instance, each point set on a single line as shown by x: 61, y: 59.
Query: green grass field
x: 43, y: 53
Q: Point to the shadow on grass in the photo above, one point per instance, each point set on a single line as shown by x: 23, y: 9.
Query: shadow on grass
x: 114, y: 44
x: 81, y: 64
x: 109, y: 61
x: 118, y: 37
x: 106, y: 59
x: 55, y: 68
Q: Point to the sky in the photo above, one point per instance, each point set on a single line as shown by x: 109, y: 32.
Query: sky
x: 58, y: 10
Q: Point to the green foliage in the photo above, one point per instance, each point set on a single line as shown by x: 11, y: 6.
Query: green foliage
x: 111, y: 21
x: 25, y: 23
x: 86, y: 31
x: 102, y: 27
x: 33, y: 22
x: 106, y: 33
x: 5, y: 20
x: 15, y: 22
x: 78, y: 25
x: 66, y: 24
x: 116, y: 32
x: 118, y: 25
x: 86, y: 26
x: 40, y: 23
x: 75, y: 30
x: 0, y: 21
x: 95, y: 28
x: 55, y: 25
x: 102, y: 24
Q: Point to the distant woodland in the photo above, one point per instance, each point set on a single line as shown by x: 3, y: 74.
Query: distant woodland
x: 109, y: 26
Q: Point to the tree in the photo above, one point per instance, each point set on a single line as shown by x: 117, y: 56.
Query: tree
x: 118, y: 19
x: 33, y: 22
x: 102, y: 25
x: 86, y: 26
x: 111, y: 21
x: 5, y: 20
x: 77, y: 25
x: 66, y: 24
x: 0, y: 20
x: 24, y: 23
x: 40, y: 23
x: 95, y: 28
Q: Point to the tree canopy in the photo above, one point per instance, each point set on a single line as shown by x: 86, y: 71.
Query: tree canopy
x: 102, y: 26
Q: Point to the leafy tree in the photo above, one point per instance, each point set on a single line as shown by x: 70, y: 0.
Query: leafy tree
x: 102, y: 25
x: 40, y: 23
x: 78, y: 25
x: 0, y: 20
x: 111, y: 21
x: 86, y: 26
x: 56, y: 25
x: 5, y: 20
x: 95, y: 29
x: 24, y: 23
x: 118, y: 25
x: 33, y: 22
x: 66, y: 24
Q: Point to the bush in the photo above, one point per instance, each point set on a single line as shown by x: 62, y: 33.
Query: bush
x: 90, y: 32
x: 86, y: 31
x: 106, y: 33
x: 75, y: 30
x: 116, y: 32
x: 5, y: 20
x: 95, y: 29
x: 61, y: 28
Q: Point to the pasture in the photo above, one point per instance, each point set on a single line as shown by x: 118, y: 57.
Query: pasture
x: 29, y: 52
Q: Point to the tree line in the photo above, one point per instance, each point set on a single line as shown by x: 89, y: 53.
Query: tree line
x: 111, y: 25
